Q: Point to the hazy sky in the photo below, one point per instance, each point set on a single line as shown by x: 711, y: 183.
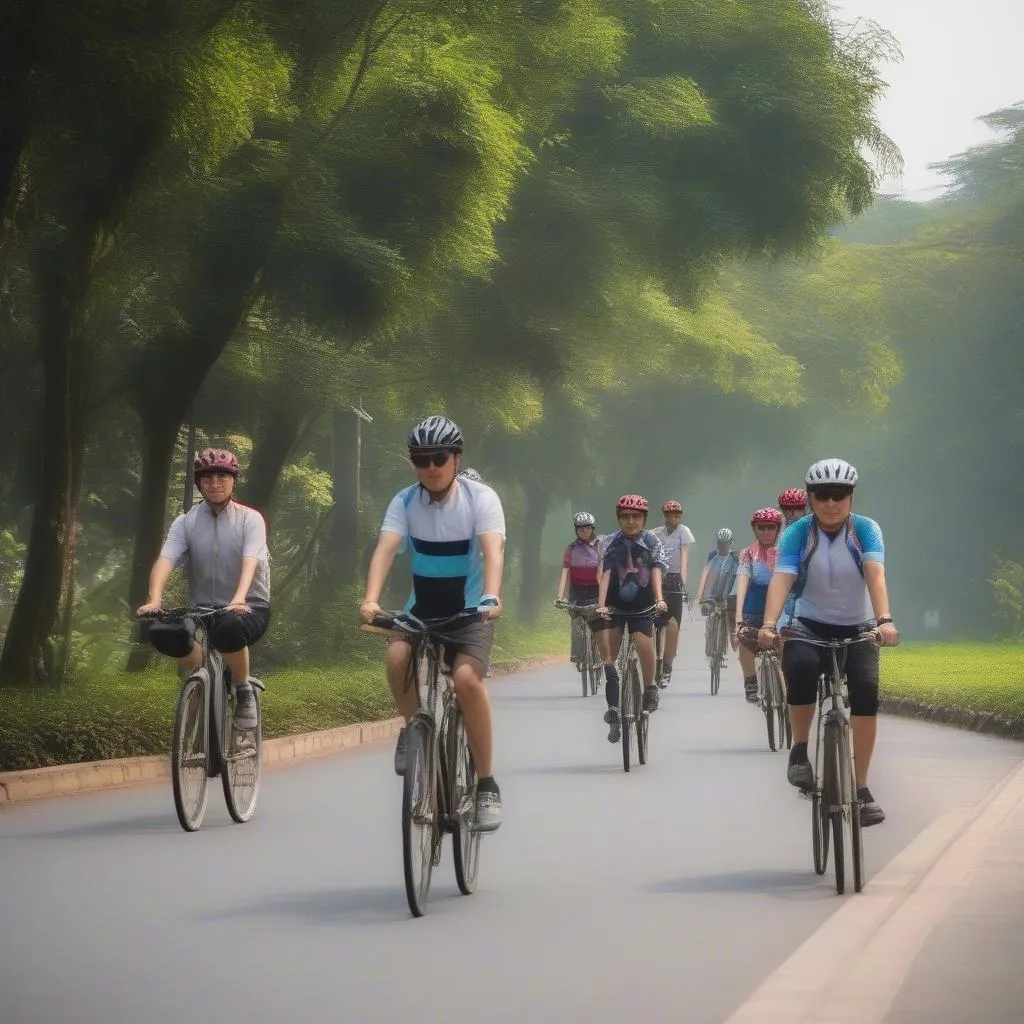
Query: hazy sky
x: 960, y: 60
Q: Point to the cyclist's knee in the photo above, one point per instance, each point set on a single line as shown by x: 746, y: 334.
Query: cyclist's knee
x: 398, y: 655
x: 467, y: 674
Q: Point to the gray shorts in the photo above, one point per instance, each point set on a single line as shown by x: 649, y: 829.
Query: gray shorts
x: 474, y: 640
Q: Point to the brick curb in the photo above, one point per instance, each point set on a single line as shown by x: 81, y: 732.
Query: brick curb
x: 91, y: 776
x: 987, y: 722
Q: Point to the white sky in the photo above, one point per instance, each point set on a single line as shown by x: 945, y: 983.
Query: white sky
x: 960, y: 60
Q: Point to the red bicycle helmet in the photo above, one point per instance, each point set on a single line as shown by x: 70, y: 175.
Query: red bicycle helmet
x: 671, y: 506
x: 766, y: 515
x: 631, y: 503
x: 215, y: 460
x: 793, y: 497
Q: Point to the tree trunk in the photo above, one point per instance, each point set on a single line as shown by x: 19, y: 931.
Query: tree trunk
x: 161, y: 432
x: 67, y: 368
x: 277, y: 435
x: 538, y: 500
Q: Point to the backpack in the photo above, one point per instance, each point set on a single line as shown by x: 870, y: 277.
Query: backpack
x: 853, y: 545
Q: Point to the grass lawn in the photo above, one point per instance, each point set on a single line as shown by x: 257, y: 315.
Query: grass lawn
x: 979, y: 677
x: 113, y: 714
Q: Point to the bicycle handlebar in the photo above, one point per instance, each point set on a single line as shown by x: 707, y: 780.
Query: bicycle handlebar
x: 196, y: 611
x: 405, y: 622
x: 835, y: 644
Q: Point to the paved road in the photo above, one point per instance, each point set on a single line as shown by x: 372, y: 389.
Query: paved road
x: 669, y: 893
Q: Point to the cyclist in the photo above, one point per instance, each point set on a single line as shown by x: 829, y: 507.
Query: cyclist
x: 835, y: 561
x: 580, y: 568
x: 471, y: 474
x: 455, y: 531
x: 631, y: 581
x: 718, y: 577
x: 793, y: 502
x: 676, y: 540
x: 752, y: 578
x: 223, y: 546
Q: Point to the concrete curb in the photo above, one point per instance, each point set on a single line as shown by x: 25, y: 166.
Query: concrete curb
x: 70, y: 779
x: 962, y: 718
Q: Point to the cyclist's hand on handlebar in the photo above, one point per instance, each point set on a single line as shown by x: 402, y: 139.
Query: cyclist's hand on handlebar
x: 888, y: 634
x: 148, y: 609
x: 767, y: 638
x: 603, y: 611
x: 490, y: 607
x: 560, y: 602
x: 368, y: 609
x: 661, y: 606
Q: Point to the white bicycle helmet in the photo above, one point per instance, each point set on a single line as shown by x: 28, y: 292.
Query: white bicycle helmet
x: 724, y: 535
x: 583, y: 519
x: 436, y: 434
x: 471, y: 474
x: 831, y: 471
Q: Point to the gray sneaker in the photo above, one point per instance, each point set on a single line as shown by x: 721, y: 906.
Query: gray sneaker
x: 650, y: 698
x: 401, y: 751
x: 245, y: 708
x: 870, y: 812
x: 611, y: 716
x: 488, y: 810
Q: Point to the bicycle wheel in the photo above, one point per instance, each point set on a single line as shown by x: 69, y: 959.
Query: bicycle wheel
x: 242, y: 767
x: 596, y: 665
x: 189, y: 755
x: 419, y: 815
x: 579, y: 650
x: 834, y: 798
x: 462, y: 805
x: 643, y: 730
x: 630, y: 712
x: 764, y: 684
x: 819, y: 832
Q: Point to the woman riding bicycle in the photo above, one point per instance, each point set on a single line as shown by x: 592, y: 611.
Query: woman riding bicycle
x: 581, y: 564
x: 632, y: 567
x: 757, y: 563
x: 834, y: 561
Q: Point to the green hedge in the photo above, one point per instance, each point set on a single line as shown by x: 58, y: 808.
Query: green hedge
x: 113, y: 714
x: 977, y: 677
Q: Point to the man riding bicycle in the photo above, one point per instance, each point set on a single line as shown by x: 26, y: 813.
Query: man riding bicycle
x: 223, y: 546
x: 718, y: 577
x: 632, y: 564
x: 454, y: 528
x: 835, y: 562
x: 676, y: 540
x: 580, y: 569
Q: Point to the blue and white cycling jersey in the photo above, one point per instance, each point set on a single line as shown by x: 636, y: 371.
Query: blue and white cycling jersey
x: 447, y: 562
x: 834, y: 590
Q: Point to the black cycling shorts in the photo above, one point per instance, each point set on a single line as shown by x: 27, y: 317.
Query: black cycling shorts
x: 228, y: 632
x: 802, y: 664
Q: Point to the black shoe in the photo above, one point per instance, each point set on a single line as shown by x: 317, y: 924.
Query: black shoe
x: 750, y: 691
x: 799, y: 772
x: 870, y: 812
x: 611, y: 716
x: 651, y: 698
x: 666, y: 676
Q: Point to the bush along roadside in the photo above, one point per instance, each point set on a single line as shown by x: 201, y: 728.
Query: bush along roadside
x: 972, y: 686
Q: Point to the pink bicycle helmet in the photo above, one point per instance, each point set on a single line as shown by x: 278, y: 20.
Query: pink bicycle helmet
x: 793, y: 497
x: 671, y: 506
x: 215, y: 460
x: 766, y: 515
x: 631, y: 503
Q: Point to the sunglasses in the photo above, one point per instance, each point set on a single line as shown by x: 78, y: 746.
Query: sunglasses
x: 836, y: 494
x: 438, y: 459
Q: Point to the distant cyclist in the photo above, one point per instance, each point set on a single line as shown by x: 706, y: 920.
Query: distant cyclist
x: 757, y: 563
x: 718, y: 577
x: 454, y: 529
x: 676, y: 540
x: 793, y: 502
x: 835, y: 561
x: 581, y: 566
x: 631, y: 581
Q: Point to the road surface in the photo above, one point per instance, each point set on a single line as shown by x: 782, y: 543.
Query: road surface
x: 668, y: 894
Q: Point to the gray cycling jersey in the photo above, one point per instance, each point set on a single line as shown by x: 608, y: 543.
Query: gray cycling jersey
x: 211, y: 547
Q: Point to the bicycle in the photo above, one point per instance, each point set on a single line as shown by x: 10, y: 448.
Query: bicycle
x: 660, y: 624
x: 205, y: 742
x: 439, y: 786
x: 584, y: 644
x: 716, y: 635
x: 771, y: 691
x: 636, y: 722
x: 834, y: 797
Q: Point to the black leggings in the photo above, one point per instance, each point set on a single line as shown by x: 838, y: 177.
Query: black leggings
x: 803, y: 663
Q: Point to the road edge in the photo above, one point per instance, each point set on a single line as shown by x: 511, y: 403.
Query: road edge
x: 987, y: 722
x: 62, y: 780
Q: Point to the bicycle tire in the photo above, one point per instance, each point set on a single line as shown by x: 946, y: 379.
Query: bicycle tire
x: 419, y: 816
x: 819, y: 833
x: 191, y: 791
x: 596, y: 665
x: 630, y: 711
x: 834, y: 797
x: 581, y: 649
x: 242, y: 767
x: 643, y: 732
x: 716, y: 676
x: 462, y: 805
x: 764, y: 682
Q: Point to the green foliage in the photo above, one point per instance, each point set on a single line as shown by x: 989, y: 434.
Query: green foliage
x: 1007, y: 582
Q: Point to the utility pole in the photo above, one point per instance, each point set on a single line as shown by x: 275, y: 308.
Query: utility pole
x: 190, y: 455
x: 347, y: 461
